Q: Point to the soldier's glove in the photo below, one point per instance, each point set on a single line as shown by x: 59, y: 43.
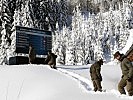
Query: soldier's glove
x: 122, y: 76
x: 129, y: 79
x: 100, y: 78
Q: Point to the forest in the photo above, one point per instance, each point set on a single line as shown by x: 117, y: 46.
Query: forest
x: 83, y: 31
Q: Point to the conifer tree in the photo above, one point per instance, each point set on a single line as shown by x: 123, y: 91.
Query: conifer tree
x: 6, y: 20
x: 62, y: 13
x: 76, y: 33
x: 25, y: 15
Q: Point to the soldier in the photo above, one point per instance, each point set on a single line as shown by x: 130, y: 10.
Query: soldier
x: 51, y: 59
x: 32, y: 54
x: 95, y: 74
x: 127, y: 74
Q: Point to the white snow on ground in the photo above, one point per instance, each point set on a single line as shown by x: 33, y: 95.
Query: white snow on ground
x: 39, y: 82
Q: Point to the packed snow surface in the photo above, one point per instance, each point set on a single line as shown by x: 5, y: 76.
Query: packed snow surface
x: 40, y: 82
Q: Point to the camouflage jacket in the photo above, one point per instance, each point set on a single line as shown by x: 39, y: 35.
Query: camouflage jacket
x: 95, y: 70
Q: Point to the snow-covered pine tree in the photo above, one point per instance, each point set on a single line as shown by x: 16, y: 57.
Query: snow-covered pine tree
x: 123, y: 26
x: 25, y: 15
x: 88, y: 52
x: 4, y: 46
x: 94, y: 35
x: 63, y: 45
x: 6, y: 20
x: 76, y: 34
x: 16, y: 22
x: 53, y: 15
x: 34, y: 11
x: 69, y: 44
x: 56, y: 43
x: 18, y: 12
x: 12, y: 47
x: 126, y: 21
x: 99, y: 27
x: 62, y: 14
x: 60, y: 42
x: 111, y: 31
x: 83, y: 47
x: 38, y: 11
x: 43, y: 24
x: 129, y: 13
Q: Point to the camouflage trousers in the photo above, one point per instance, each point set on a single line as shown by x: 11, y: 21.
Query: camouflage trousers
x: 97, y: 85
x: 31, y: 60
x: 52, y: 65
x: 129, y: 87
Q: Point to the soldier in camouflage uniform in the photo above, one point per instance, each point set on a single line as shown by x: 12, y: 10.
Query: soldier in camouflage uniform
x: 51, y: 59
x: 32, y: 54
x: 127, y: 74
x: 95, y: 73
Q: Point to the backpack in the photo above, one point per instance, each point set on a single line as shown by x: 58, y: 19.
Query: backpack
x: 129, y: 53
x: 130, y: 56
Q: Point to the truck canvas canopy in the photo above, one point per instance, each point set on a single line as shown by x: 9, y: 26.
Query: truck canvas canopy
x: 41, y: 40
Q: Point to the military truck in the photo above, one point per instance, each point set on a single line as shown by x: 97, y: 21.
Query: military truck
x: 41, y: 40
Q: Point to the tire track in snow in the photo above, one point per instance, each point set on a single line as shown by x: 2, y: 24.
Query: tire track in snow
x: 84, y: 82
